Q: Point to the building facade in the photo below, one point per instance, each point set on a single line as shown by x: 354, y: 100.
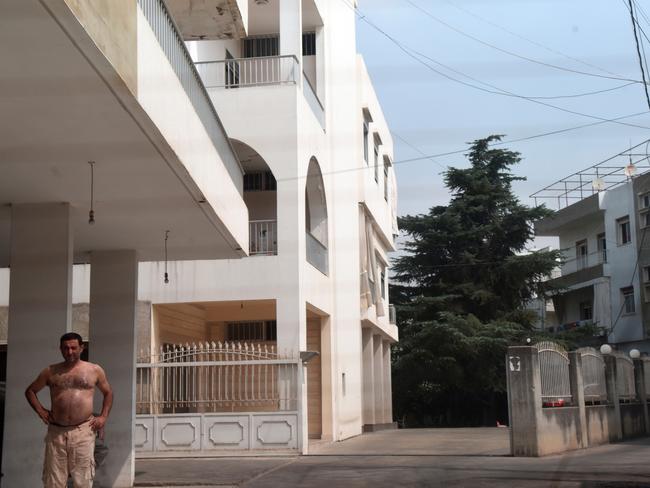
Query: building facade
x: 605, y: 274
x: 290, y: 163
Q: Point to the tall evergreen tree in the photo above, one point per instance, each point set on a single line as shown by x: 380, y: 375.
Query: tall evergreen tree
x: 461, y: 289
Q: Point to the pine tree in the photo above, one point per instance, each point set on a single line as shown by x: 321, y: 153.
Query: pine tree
x: 461, y: 290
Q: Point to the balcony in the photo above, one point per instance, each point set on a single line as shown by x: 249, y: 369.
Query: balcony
x: 257, y: 72
x: 581, y: 269
x: 263, y: 236
x: 392, y: 315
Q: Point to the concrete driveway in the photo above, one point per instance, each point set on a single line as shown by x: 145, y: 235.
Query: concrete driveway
x: 412, y: 458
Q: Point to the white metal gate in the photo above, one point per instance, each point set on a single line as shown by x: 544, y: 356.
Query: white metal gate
x: 215, y: 396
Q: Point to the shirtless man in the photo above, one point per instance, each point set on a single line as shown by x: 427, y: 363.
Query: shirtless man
x: 70, y: 440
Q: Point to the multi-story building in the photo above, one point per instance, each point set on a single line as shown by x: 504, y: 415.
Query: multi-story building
x: 299, y: 151
x: 108, y: 140
x: 605, y: 274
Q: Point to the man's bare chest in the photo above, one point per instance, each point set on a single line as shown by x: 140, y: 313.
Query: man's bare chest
x: 72, y: 381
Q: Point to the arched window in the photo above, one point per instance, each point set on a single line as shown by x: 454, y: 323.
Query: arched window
x: 316, y: 217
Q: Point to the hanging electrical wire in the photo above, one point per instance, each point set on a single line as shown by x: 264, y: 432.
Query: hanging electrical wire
x: 638, y: 50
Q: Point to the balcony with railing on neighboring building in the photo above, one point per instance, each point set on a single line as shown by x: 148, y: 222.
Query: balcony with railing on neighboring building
x: 263, y: 237
x: 581, y: 268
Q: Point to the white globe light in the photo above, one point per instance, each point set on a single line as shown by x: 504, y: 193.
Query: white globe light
x: 605, y: 349
x: 635, y: 354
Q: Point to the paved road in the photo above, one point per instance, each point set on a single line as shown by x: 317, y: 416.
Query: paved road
x: 413, y: 458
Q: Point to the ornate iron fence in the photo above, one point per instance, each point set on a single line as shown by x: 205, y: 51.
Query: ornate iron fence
x: 554, y: 372
x: 216, y: 377
x: 593, y: 375
x: 625, y: 385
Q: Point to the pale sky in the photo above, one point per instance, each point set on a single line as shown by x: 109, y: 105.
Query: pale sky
x: 437, y: 115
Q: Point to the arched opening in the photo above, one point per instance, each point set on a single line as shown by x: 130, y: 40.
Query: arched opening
x: 316, y: 218
x: 260, y: 196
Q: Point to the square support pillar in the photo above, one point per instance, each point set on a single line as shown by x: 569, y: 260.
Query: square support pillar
x: 368, y: 372
x: 615, y: 424
x: 113, y: 302
x: 40, y: 291
x: 291, y: 35
x: 578, y: 395
x: 524, y: 400
x: 388, y: 389
x: 641, y: 393
x: 378, y: 367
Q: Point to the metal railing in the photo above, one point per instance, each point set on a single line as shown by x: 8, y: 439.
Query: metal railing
x: 317, y: 254
x: 172, y: 44
x: 263, y: 237
x: 572, y: 263
x: 625, y: 385
x: 554, y: 371
x: 313, y: 101
x: 244, y: 72
x: 216, y: 377
x: 593, y: 375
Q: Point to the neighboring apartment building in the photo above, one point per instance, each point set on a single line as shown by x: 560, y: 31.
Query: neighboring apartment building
x: 605, y: 275
x: 319, y: 189
x: 109, y: 82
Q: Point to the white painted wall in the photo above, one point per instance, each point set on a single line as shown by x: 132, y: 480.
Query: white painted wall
x: 618, y: 203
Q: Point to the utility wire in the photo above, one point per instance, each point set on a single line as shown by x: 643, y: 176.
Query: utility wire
x: 510, y: 53
x: 538, y: 44
x: 499, y: 91
x: 638, y: 51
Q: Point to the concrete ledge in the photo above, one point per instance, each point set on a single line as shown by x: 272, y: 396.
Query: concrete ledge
x: 378, y: 427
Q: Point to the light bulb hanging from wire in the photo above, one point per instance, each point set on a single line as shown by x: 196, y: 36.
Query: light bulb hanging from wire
x: 166, y: 274
x: 91, y: 213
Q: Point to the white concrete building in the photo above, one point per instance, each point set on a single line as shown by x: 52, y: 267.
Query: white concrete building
x: 112, y: 83
x: 298, y: 105
x: 605, y: 276
x: 316, y: 208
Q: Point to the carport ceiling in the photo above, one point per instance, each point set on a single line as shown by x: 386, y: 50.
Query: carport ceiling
x: 56, y: 114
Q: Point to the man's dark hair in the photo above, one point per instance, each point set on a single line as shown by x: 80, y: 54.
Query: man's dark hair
x: 70, y: 336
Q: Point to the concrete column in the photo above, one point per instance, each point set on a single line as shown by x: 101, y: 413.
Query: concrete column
x: 614, y: 412
x: 578, y: 394
x: 641, y: 393
x: 368, y: 377
x: 40, y: 291
x: 378, y: 368
x: 524, y: 399
x: 291, y: 33
x: 113, y: 302
x: 388, y: 389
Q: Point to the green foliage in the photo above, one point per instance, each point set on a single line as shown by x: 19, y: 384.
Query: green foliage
x: 461, y: 290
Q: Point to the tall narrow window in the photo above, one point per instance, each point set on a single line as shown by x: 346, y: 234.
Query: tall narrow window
x: 308, y: 43
x: 586, y: 311
x: 365, y: 141
x: 385, y: 178
x: 376, y: 144
x: 627, y: 295
x: 582, y: 255
x: 623, y: 229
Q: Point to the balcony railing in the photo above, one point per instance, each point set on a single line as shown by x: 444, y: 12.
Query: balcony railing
x: 172, y: 44
x: 317, y: 254
x: 263, y: 237
x: 392, y: 314
x: 244, y: 72
x: 575, y: 263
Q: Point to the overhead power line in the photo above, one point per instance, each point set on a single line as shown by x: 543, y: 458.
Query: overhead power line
x: 496, y: 90
x: 638, y: 51
x: 531, y: 41
x: 511, y: 53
